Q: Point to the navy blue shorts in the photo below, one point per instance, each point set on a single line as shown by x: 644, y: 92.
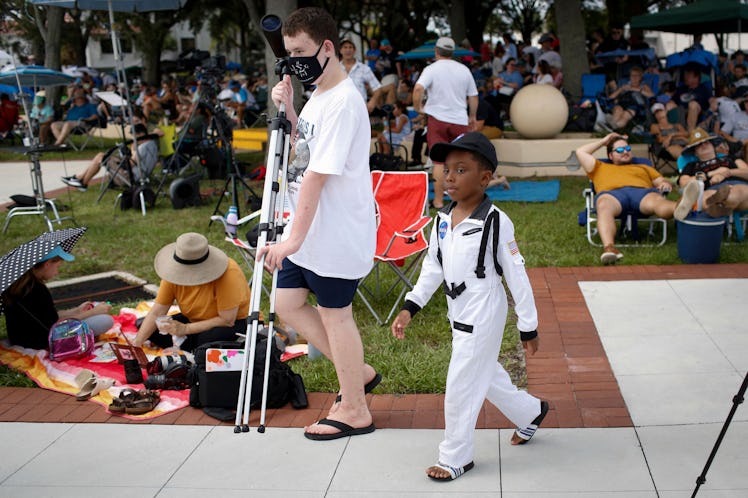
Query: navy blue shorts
x: 331, y: 292
x: 629, y: 197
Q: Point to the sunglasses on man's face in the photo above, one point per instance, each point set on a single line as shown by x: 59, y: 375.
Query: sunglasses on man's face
x: 621, y: 150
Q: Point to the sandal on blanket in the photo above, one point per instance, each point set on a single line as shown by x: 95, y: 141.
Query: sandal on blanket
x: 134, y: 402
x: 522, y: 436
x: 143, y: 403
x: 90, y: 385
x: 125, y: 397
x: 454, y: 472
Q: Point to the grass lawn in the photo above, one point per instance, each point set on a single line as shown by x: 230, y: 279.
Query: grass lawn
x: 547, y: 234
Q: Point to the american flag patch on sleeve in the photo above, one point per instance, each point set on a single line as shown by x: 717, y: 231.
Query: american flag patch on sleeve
x: 513, y: 249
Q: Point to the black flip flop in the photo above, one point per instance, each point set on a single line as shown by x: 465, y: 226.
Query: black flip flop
x: 368, y: 387
x: 345, y: 430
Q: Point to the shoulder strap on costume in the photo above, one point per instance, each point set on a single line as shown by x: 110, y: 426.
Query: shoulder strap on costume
x: 491, y: 222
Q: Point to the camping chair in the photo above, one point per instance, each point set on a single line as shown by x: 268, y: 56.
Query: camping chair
x: 122, y: 173
x: 662, y: 160
x: 247, y: 247
x: 400, y: 199
x: 629, y: 221
x: 593, y: 86
x: 87, y: 132
x: 737, y: 224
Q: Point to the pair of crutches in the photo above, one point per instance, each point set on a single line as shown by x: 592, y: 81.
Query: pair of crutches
x: 269, y: 230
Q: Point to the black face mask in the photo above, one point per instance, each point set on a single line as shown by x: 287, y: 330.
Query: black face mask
x: 307, y: 69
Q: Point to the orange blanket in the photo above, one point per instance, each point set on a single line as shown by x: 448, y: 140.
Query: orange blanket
x: 60, y: 376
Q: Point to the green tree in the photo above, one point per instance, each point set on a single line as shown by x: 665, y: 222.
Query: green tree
x: 573, y: 47
x: 525, y: 16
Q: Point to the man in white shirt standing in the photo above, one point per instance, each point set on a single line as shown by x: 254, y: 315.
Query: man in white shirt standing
x: 447, y: 84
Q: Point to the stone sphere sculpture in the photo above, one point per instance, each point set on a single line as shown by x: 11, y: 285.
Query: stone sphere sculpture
x: 539, y: 111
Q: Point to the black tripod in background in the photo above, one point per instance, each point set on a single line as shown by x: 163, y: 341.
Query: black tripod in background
x: 736, y: 400
x: 221, y: 127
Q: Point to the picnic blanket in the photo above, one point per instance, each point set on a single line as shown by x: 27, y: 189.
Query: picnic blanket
x: 60, y: 376
x: 521, y: 191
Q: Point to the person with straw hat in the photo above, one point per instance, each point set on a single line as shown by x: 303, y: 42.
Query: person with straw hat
x: 210, y: 289
x: 725, y: 178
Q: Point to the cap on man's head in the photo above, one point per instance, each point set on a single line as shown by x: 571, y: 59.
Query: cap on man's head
x: 58, y: 252
x: 385, y: 42
x: 79, y: 94
x: 234, y: 84
x: 657, y: 106
x: 347, y: 40
x: 546, y: 37
x: 445, y: 43
x: 472, y: 141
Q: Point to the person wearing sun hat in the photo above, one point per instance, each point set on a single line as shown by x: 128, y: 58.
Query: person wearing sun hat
x: 725, y: 178
x: 210, y: 289
x: 30, y: 310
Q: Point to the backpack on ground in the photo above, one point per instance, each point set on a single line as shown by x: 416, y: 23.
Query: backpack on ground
x: 69, y: 339
x: 219, y: 388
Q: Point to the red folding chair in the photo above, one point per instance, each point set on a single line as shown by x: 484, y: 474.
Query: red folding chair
x: 401, y: 204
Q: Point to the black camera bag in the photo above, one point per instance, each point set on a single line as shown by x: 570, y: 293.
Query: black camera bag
x: 221, y: 389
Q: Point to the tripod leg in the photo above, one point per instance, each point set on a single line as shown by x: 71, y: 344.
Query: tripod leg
x: 271, y: 215
x: 736, y: 400
x: 268, y: 350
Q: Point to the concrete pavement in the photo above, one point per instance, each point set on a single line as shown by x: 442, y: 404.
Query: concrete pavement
x: 679, y: 351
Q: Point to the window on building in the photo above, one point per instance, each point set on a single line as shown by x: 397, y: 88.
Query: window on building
x: 106, y: 46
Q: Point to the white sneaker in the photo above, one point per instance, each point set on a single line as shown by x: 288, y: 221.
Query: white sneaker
x: 687, y: 200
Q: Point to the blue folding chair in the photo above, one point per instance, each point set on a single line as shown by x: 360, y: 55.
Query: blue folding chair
x: 593, y: 86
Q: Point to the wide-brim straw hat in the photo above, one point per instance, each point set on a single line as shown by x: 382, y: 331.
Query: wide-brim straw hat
x: 697, y: 136
x: 190, y: 261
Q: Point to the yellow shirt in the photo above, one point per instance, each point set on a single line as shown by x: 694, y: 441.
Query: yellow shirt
x: 608, y: 176
x: 201, y: 302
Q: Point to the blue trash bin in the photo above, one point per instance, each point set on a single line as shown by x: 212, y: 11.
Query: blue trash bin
x: 700, y: 238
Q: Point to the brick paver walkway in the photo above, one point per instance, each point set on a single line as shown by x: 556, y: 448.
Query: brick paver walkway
x: 571, y: 370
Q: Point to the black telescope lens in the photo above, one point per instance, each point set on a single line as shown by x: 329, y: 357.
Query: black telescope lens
x: 271, y: 28
x: 270, y: 23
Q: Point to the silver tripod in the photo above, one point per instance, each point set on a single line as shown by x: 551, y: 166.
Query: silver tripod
x: 270, y: 228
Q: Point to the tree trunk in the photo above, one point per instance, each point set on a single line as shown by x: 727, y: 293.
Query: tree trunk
x: 457, y: 24
x: 52, y: 36
x: 573, y: 50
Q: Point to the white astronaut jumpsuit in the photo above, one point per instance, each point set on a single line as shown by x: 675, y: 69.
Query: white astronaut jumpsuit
x: 477, y: 316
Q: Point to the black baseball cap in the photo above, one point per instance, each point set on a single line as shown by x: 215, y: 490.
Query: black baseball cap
x: 472, y: 141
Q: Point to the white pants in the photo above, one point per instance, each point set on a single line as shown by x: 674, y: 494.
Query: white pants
x: 475, y: 375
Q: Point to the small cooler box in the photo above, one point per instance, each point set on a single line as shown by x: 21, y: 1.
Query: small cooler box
x: 700, y: 238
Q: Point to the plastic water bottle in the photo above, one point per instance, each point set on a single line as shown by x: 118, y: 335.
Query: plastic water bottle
x: 701, y: 178
x: 232, y: 220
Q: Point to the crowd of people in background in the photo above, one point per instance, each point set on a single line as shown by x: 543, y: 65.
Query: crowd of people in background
x: 641, y: 95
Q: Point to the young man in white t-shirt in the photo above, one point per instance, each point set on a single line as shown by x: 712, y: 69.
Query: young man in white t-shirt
x: 329, y: 244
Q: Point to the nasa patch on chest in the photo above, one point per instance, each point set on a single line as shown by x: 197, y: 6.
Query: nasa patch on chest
x: 442, y: 229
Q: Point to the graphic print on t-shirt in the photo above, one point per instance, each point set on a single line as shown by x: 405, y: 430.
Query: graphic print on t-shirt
x: 304, y: 133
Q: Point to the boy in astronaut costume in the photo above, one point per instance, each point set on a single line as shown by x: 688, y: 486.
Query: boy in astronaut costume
x: 476, y: 302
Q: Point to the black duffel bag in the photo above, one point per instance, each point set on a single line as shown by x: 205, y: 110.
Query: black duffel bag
x: 221, y: 389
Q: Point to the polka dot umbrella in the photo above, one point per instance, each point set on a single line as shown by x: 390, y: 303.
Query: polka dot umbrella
x: 21, y: 259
